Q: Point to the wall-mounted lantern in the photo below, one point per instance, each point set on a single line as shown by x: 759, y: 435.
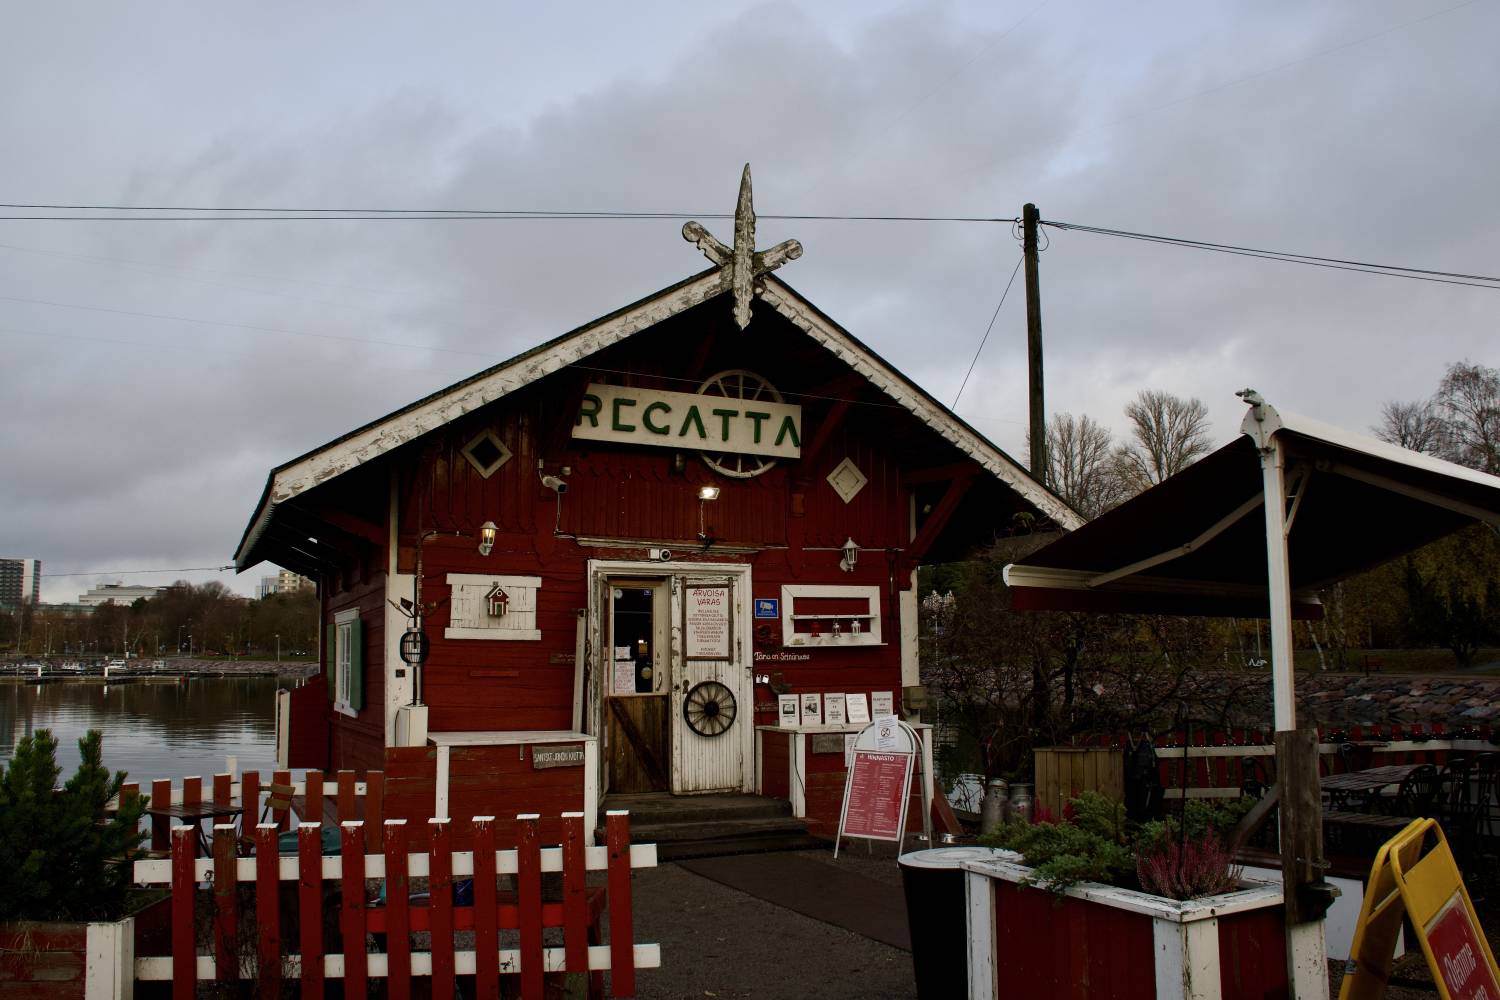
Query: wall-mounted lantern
x: 486, y: 537
x: 848, y: 556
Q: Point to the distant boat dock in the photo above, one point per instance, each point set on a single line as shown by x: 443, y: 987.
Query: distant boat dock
x: 51, y: 670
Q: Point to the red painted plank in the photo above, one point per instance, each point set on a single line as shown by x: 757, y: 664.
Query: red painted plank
x: 347, y: 808
x: 312, y: 807
x: 184, y: 947
x: 282, y: 817
x: 621, y: 919
x: 161, y: 826
x: 374, y: 810
x: 192, y: 790
x: 267, y: 910
x: 529, y: 897
x: 249, y: 801
x: 226, y: 929
x: 222, y: 788
x: 440, y: 906
x: 310, y: 899
x: 575, y: 902
x: 352, y: 914
x: 486, y: 935
x: 397, y: 903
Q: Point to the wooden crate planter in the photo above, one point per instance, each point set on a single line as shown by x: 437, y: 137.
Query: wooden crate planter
x: 75, y: 959
x: 1105, y: 943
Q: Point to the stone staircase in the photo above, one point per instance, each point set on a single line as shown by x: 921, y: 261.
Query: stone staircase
x: 704, y: 826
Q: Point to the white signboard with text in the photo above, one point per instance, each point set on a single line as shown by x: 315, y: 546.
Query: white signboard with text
x: 706, y: 622
x: 656, y: 418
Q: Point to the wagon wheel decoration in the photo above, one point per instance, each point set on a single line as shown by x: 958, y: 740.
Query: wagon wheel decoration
x: 709, y: 709
x: 737, y: 383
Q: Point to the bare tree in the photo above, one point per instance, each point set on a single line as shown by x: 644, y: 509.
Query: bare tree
x: 1081, y: 465
x: 1170, y: 433
x: 1416, y: 426
x: 1468, y: 400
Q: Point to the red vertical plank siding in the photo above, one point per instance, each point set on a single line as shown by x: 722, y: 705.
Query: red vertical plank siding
x: 346, y: 804
x: 161, y: 826
x: 282, y: 817
x: 486, y: 934
x: 529, y: 897
x: 621, y: 919
x: 575, y: 901
x: 184, y: 886
x: 1065, y: 948
x: 192, y: 790
x: 249, y: 801
x: 226, y: 929
x: 352, y: 916
x: 398, y: 917
x: 223, y: 789
x: 440, y: 884
x: 1252, y: 954
x: 268, y: 910
x: 310, y: 900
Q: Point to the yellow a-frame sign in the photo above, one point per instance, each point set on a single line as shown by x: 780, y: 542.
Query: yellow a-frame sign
x: 1415, y: 875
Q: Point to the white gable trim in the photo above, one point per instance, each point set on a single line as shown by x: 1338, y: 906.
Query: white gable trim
x: 407, y: 425
x: 895, y: 385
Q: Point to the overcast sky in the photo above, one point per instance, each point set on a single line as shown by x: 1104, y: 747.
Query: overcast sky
x: 154, y: 372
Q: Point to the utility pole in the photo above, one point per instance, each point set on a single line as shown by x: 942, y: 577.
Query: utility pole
x: 1038, y: 449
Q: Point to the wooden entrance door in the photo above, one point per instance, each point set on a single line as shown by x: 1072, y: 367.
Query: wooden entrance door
x: 712, y: 715
x: 638, y: 677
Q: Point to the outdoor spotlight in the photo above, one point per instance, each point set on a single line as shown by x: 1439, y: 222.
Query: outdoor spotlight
x: 486, y: 538
x: 708, y: 493
x: 849, y: 555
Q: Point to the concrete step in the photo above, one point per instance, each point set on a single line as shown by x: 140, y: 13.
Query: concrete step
x: 661, y: 833
x: 701, y: 826
x: 685, y: 850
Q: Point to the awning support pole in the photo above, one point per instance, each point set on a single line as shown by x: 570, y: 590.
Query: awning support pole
x: 1296, y: 758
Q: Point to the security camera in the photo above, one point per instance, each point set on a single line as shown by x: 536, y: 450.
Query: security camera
x: 554, y: 484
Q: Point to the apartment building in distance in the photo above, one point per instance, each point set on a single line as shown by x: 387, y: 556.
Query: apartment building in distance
x: 20, y: 581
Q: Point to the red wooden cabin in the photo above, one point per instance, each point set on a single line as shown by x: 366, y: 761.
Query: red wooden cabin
x: 620, y: 617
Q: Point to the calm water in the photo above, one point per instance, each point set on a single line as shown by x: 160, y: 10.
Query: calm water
x: 150, y: 730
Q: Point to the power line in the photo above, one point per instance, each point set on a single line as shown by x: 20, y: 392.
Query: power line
x: 1334, y: 263
x: 986, y: 336
x: 203, y: 213
x: 137, y: 572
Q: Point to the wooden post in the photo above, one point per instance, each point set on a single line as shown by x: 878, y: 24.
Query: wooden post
x: 575, y: 900
x: 486, y: 931
x: 621, y: 919
x: 1038, y: 426
x: 310, y: 902
x: 226, y: 924
x: 184, y: 886
x: 529, y: 898
x: 352, y: 883
x: 398, y: 915
x: 268, y: 910
x: 440, y: 906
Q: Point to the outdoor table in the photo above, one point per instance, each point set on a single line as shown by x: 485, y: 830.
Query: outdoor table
x: 193, y: 814
x: 1341, y: 786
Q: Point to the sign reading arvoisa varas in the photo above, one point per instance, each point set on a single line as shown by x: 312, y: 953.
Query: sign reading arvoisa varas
x: 653, y: 417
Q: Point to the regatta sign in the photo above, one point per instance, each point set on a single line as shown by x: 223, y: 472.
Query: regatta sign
x: 688, y: 420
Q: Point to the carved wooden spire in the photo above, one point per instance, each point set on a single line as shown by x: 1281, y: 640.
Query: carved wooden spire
x: 740, y: 264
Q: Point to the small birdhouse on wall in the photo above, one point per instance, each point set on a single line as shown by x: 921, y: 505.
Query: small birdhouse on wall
x: 496, y: 602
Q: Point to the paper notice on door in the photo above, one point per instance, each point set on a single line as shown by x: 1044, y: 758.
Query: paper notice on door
x: 622, y: 652
x: 624, y: 677
x: 858, y: 707
x: 882, y: 703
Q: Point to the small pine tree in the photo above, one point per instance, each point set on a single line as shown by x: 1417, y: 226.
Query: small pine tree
x: 62, y: 857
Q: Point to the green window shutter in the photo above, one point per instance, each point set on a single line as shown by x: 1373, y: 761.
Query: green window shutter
x: 357, y: 664
x: 331, y: 659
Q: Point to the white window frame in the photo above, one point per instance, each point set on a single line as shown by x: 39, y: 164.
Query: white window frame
x: 343, y: 650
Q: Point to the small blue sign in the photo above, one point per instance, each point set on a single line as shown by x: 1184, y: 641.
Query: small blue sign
x: 768, y: 607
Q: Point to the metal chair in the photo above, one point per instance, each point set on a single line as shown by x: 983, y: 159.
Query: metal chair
x: 1485, y: 770
x: 1419, y: 793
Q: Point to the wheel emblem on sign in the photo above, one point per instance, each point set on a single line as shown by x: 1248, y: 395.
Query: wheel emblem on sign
x: 739, y: 384
x: 709, y: 709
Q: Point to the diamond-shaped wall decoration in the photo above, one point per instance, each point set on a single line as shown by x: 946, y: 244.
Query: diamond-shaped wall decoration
x: 847, y: 480
x: 486, y: 453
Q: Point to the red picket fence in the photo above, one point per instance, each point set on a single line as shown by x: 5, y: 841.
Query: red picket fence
x: 264, y: 872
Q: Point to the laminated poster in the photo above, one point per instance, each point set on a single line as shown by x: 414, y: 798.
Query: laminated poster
x: 833, y: 710
x: 858, y: 708
x: 786, y: 711
x: 812, y: 709
x: 882, y: 703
